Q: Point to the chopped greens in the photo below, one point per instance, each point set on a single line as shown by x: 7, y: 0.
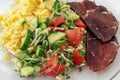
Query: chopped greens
x: 67, y: 77
x: 80, y: 69
x: 66, y: 13
x: 42, y: 25
x: 47, y: 21
x: 23, y: 23
x: 57, y: 6
x: 81, y: 54
x: 70, y: 25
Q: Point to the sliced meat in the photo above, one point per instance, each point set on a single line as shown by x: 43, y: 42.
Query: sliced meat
x: 101, y: 44
x: 100, y: 54
x: 101, y: 9
x: 98, y: 19
x: 78, y: 7
x: 89, y: 5
x: 104, y: 25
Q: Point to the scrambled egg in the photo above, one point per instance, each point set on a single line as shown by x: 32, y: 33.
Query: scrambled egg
x: 13, y: 31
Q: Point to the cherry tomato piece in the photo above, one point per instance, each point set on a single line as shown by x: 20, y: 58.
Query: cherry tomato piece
x: 58, y: 20
x: 74, y: 36
x: 80, y: 23
x: 77, y: 60
x: 52, y: 68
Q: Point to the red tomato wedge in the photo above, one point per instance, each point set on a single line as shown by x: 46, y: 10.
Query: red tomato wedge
x: 53, y: 61
x: 77, y: 60
x: 80, y: 23
x: 58, y: 20
x: 52, y: 68
x: 74, y: 36
x: 56, y: 70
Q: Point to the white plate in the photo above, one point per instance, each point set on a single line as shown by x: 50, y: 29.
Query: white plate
x: 7, y: 69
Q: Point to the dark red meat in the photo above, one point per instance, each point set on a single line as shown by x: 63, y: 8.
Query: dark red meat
x: 101, y: 9
x: 89, y: 5
x: 78, y: 7
x: 100, y: 21
x: 100, y: 54
x: 102, y: 26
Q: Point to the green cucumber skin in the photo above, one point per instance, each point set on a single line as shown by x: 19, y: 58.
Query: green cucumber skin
x: 57, y: 43
x: 26, y: 40
x: 21, y: 54
x: 42, y: 25
x: 40, y: 51
x: 56, y: 37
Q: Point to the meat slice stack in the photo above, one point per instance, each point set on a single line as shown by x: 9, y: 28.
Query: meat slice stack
x: 100, y: 21
x: 100, y: 54
x: 102, y: 26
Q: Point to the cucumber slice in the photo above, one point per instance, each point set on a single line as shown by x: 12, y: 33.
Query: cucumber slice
x: 40, y: 51
x: 57, y: 43
x: 34, y: 24
x: 42, y: 25
x: 73, y: 16
x: 18, y: 66
x: 37, y: 69
x: 27, y: 71
x: 56, y: 36
x: 20, y: 54
x: 26, y: 41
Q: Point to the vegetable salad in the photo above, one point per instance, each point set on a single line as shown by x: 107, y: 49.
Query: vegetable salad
x: 54, y: 46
